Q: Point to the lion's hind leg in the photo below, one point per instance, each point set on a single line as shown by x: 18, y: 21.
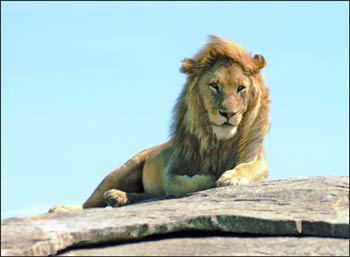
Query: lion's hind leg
x: 127, y: 177
x: 117, y: 198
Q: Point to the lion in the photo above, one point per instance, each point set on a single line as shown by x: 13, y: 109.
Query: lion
x: 217, y: 134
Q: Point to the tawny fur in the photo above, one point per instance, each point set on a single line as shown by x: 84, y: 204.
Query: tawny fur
x: 195, y: 158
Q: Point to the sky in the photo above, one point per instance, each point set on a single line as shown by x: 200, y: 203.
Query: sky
x: 87, y: 85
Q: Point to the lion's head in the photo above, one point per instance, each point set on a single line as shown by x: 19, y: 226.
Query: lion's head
x: 224, y: 100
x: 224, y: 90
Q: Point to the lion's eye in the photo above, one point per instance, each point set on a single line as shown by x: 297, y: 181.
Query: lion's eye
x: 213, y: 86
x: 240, y: 88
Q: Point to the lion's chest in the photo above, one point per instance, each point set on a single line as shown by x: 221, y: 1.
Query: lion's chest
x: 212, y: 163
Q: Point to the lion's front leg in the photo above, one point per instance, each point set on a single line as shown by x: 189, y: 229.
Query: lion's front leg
x: 244, y: 174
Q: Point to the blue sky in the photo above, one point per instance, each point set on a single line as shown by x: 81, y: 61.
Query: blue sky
x: 87, y: 85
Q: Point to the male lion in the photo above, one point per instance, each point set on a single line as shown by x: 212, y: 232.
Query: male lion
x: 217, y: 135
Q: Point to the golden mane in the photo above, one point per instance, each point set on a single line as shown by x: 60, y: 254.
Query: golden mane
x: 194, y: 142
x: 217, y: 47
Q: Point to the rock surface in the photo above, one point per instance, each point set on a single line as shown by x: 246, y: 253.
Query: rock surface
x: 223, y: 246
x: 299, y: 216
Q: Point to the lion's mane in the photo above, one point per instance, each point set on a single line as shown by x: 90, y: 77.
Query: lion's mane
x: 194, y: 143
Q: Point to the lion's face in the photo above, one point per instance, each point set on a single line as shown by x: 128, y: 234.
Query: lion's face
x: 224, y: 92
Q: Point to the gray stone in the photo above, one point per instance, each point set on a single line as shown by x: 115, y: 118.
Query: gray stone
x: 223, y: 246
x: 316, y: 206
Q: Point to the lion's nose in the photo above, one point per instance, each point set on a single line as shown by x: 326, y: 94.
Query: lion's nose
x: 227, y: 115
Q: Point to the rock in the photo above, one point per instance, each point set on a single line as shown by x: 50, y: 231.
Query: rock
x: 288, y: 211
x: 223, y: 246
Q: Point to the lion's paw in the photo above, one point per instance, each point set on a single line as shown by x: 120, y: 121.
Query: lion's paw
x: 231, y: 178
x: 65, y: 208
x: 115, y: 198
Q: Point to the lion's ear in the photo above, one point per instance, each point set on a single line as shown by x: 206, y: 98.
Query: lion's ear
x: 259, y: 62
x: 188, y: 66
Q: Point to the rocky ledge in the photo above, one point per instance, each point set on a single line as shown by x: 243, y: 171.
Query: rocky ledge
x: 298, y: 216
